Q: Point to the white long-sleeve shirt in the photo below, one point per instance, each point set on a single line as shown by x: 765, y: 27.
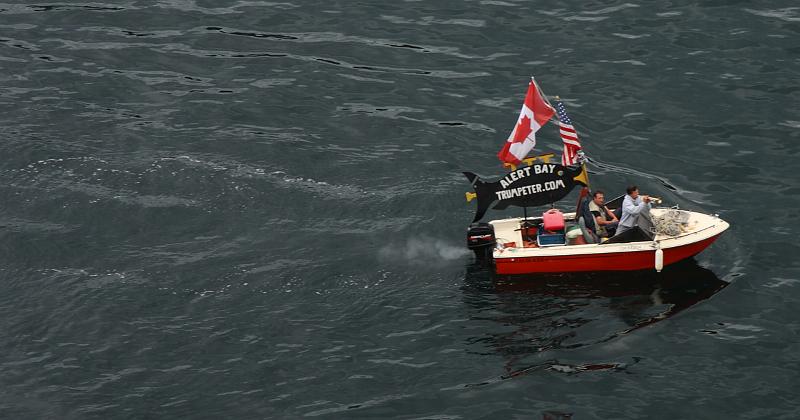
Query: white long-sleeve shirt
x: 631, y: 209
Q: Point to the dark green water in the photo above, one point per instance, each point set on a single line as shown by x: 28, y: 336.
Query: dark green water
x: 255, y: 209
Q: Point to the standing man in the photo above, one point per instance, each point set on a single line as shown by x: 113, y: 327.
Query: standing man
x: 604, y: 220
x: 633, y: 206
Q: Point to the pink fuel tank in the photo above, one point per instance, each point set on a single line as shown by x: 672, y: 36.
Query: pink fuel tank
x: 553, y: 220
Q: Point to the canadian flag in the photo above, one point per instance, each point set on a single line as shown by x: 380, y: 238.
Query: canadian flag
x: 534, y: 114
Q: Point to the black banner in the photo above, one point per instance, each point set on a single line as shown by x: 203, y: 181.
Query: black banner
x: 529, y: 186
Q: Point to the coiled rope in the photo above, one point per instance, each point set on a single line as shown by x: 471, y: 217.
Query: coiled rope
x: 670, y: 223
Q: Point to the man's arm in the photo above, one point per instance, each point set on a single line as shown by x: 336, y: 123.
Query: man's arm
x: 600, y: 220
x: 634, y: 209
x: 611, y: 213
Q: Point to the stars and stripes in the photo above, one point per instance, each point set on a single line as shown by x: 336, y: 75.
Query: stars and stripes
x: 572, y: 146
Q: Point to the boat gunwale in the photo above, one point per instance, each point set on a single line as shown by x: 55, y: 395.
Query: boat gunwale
x: 660, y: 241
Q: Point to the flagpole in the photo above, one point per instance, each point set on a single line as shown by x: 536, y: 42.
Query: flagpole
x: 555, y: 115
x: 586, y: 171
x: 541, y: 93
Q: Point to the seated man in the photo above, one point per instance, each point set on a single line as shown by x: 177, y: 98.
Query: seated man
x: 604, y: 220
x: 586, y: 221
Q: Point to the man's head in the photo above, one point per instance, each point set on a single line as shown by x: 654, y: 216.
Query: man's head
x: 632, y: 191
x: 599, y: 197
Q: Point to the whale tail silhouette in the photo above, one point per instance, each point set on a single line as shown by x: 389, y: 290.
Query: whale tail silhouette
x: 484, y: 192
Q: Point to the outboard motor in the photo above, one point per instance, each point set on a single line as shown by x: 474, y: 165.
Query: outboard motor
x: 480, y: 239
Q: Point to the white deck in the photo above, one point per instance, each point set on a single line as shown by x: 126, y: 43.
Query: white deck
x: 699, y: 227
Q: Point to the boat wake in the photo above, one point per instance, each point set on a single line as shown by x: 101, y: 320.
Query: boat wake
x: 422, y: 250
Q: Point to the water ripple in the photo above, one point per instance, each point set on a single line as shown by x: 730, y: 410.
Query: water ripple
x: 178, y: 48
x: 16, y: 43
x: 430, y: 20
x: 356, y: 406
x: 16, y: 224
x: 6, y: 8
x: 335, y: 37
x: 192, y: 6
x: 396, y: 113
x: 788, y: 14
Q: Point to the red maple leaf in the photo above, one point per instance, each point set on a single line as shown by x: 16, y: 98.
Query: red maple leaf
x: 523, y: 129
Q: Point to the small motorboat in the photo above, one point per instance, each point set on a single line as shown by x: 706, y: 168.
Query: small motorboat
x: 560, y: 242
x: 521, y: 245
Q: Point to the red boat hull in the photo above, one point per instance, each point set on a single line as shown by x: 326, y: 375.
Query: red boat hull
x: 617, y: 261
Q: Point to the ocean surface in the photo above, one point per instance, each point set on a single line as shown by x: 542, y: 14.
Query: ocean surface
x: 255, y: 209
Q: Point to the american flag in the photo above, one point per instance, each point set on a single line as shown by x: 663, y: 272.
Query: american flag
x: 572, y: 145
